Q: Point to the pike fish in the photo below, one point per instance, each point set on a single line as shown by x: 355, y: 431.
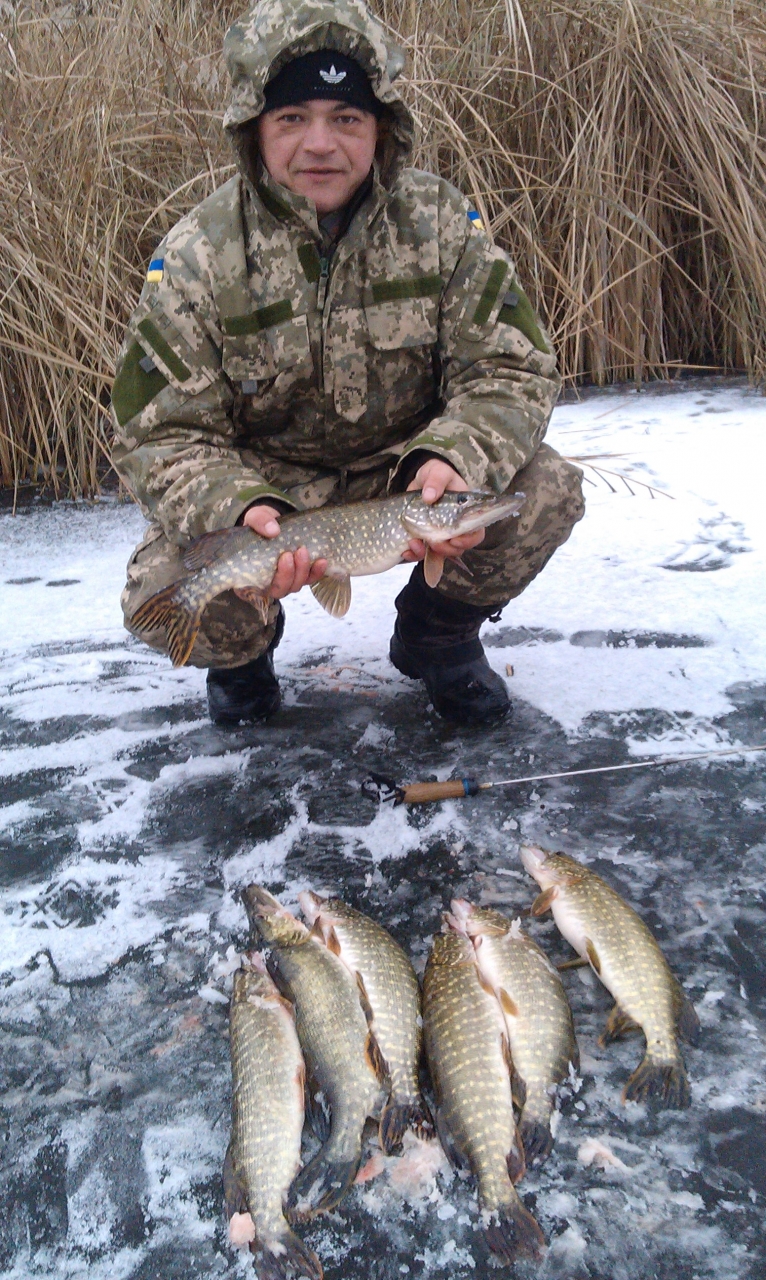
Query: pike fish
x: 266, y: 1122
x: 357, y: 539
x: 537, y: 1017
x: 345, y: 1075
x: 467, y: 1049
x: 390, y: 996
x: 611, y: 937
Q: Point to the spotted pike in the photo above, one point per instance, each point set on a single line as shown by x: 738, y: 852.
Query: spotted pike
x: 266, y: 1123
x: 356, y: 539
x: 537, y: 1017
x: 467, y: 1049
x: 612, y: 938
x: 390, y: 996
x: 345, y: 1074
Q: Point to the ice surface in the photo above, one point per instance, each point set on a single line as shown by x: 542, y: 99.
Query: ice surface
x: 128, y: 824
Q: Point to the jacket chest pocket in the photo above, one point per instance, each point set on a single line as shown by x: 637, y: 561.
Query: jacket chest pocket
x: 403, y: 334
x: 267, y: 346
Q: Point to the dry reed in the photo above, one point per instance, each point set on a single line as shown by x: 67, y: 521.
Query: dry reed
x: 615, y: 146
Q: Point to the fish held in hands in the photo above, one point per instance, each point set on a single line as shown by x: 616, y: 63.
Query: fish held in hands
x: 345, y: 1076
x: 266, y: 1123
x: 624, y: 954
x: 467, y: 1049
x: 390, y: 997
x: 536, y: 1013
x: 356, y: 539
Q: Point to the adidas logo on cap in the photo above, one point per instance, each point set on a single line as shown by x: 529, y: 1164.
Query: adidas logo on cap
x: 332, y: 76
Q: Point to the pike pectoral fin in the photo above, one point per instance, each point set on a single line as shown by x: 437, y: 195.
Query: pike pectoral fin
x: 593, y: 956
x: 259, y: 600
x: 334, y: 594
x: 509, y: 1006
x: 618, y: 1025
x: 543, y: 900
x: 433, y: 568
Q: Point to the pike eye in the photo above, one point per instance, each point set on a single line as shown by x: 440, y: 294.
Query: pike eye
x: 462, y: 497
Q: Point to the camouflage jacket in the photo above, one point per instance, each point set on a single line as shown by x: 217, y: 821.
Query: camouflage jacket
x: 248, y: 351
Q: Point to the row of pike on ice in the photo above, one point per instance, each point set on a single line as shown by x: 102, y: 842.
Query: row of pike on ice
x: 333, y: 1022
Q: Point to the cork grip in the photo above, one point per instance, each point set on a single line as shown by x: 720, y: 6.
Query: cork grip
x: 423, y: 792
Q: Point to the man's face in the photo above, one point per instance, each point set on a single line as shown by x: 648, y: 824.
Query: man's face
x: 318, y: 149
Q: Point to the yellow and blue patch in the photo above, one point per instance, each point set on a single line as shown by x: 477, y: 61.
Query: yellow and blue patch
x: 156, y: 270
x: 475, y: 220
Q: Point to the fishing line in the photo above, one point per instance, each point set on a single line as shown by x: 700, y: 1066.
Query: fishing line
x: 382, y: 788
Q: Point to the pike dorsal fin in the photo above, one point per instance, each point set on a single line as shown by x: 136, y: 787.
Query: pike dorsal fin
x: 334, y: 594
x: 213, y: 546
x: 433, y: 568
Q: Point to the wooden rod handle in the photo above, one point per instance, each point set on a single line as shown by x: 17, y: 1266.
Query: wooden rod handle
x: 423, y: 792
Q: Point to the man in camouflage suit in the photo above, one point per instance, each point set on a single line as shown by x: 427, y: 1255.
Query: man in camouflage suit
x: 330, y: 326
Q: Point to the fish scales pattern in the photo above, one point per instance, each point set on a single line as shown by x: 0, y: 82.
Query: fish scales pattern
x: 631, y: 964
x: 267, y: 1100
x: 463, y: 1031
x: 235, y: 369
x: 537, y: 1016
x: 333, y: 1034
x: 513, y: 552
x: 627, y: 958
x: 393, y: 992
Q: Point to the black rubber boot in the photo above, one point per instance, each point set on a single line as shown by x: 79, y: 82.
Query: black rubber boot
x: 436, y: 640
x: 250, y: 692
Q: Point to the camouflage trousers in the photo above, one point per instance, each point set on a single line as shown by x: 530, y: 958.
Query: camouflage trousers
x: 512, y: 554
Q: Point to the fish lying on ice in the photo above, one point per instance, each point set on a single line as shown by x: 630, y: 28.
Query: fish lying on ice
x: 266, y: 1123
x: 537, y: 1016
x: 356, y: 539
x: 345, y: 1073
x: 608, y: 934
x: 467, y: 1050
x: 390, y: 997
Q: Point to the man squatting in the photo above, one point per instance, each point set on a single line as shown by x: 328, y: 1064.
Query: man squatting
x: 327, y: 327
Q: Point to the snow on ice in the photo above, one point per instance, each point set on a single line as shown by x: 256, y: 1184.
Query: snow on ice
x: 128, y: 824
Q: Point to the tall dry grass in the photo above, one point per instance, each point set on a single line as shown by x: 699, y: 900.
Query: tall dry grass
x: 615, y: 146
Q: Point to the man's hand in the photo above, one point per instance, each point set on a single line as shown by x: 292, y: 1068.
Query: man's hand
x: 435, y: 478
x: 294, y: 569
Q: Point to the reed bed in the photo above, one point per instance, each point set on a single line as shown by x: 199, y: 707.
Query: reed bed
x: 616, y: 147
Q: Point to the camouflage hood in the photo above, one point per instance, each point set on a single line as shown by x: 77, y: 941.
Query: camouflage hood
x: 274, y: 32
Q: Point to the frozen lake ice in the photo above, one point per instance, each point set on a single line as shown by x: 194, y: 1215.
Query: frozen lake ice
x: 129, y: 823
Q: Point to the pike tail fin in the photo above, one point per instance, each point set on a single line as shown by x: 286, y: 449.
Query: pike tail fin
x: 169, y: 609
x: 664, y: 1084
x: 536, y: 1137
x: 397, y: 1118
x: 321, y: 1184
x: 285, y: 1259
x: 513, y: 1233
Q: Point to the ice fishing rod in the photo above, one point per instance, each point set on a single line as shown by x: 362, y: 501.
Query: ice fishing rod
x: 379, y: 787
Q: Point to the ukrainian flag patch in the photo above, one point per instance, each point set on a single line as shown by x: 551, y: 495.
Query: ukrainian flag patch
x: 156, y: 270
x: 474, y: 218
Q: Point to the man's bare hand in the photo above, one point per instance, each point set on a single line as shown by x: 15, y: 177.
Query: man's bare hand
x: 436, y: 478
x: 294, y: 569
